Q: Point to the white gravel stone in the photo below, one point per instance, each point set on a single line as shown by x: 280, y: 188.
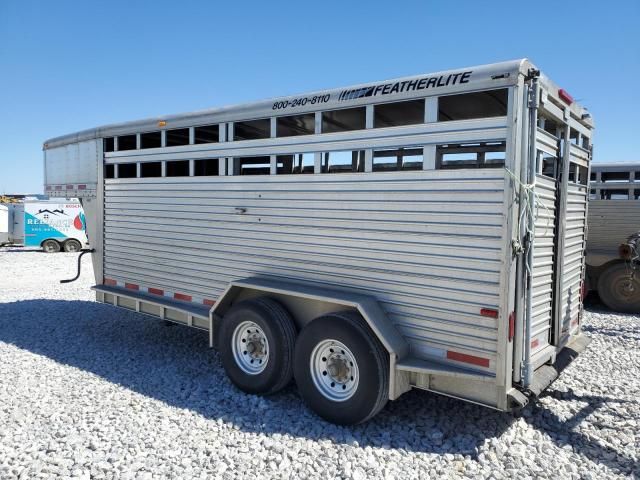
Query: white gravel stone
x: 91, y: 391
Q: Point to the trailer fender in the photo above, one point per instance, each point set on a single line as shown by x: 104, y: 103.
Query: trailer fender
x: 307, y: 302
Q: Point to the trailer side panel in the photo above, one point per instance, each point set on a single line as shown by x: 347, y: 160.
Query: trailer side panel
x: 427, y: 244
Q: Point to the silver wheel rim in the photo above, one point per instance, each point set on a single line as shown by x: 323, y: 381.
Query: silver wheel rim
x: 49, y: 247
x: 250, y: 348
x: 334, y: 370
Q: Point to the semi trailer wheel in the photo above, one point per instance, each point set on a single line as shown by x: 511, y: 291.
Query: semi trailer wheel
x: 256, y: 341
x: 619, y: 288
x: 341, y: 369
x: 50, y: 246
x: 72, y: 246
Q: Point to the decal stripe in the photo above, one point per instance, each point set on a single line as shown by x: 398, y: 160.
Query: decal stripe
x: 463, y: 357
x: 160, y: 292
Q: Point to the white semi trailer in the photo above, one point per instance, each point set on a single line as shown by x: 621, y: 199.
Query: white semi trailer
x: 424, y: 232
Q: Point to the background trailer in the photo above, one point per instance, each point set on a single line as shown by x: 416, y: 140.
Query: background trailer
x: 4, y: 225
x: 53, y: 225
x: 613, y: 247
x: 423, y: 232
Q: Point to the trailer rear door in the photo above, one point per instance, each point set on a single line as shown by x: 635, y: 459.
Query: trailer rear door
x: 575, y: 179
x: 562, y: 158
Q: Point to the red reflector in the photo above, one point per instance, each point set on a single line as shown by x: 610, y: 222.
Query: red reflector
x: 512, y: 325
x: 565, y: 97
x: 82, y: 187
x: 108, y: 281
x: 489, y: 312
x: 463, y: 357
x: 583, y: 290
x: 182, y: 296
x: 156, y: 291
x: 211, y: 303
x: 131, y: 286
x: 69, y: 187
x: 535, y: 343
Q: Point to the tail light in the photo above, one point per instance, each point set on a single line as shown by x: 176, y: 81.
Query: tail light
x: 489, y: 312
x: 565, y: 97
x: 512, y: 325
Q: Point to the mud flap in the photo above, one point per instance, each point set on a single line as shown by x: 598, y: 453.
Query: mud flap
x: 546, y: 374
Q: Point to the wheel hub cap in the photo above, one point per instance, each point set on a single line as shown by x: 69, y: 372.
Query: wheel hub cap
x: 250, y: 348
x: 628, y: 289
x: 334, y: 370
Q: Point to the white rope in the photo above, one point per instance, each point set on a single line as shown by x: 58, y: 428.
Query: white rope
x: 527, y: 207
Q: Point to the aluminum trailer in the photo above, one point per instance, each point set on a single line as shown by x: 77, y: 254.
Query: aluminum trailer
x: 614, y: 221
x: 421, y: 232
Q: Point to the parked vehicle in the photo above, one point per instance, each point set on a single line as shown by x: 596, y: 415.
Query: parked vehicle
x: 4, y: 225
x: 614, y: 225
x: 53, y: 225
x: 422, y: 232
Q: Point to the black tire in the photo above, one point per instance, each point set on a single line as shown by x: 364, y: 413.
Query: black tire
x: 277, y: 327
x: 372, y: 367
x: 50, y: 246
x: 72, y: 245
x: 618, y: 290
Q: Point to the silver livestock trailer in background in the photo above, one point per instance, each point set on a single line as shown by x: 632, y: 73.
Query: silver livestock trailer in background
x: 613, y: 246
x: 424, y: 232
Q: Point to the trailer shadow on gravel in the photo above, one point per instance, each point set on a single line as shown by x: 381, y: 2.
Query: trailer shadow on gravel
x: 175, y: 365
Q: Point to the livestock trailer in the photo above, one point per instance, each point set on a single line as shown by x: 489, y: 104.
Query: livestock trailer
x: 423, y: 232
x: 53, y: 225
x: 614, y: 225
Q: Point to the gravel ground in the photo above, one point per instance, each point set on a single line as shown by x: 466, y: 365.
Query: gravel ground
x: 90, y: 391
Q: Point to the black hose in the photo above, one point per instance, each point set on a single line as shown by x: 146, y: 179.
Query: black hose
x: 82, y: 252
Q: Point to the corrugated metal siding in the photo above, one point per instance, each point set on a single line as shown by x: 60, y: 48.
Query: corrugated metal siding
x: 574, y: 244
x: 543, y: 261
x: 427, y: 244
x: 611, y: 222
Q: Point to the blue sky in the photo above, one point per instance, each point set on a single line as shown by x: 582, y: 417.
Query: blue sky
x: 70, y: 65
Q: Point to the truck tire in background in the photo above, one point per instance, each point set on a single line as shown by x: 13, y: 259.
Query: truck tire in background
x: 256, y: 341
x: 619, y: 290
x: 72, y: 246
x: 50, y: 246
x: 341, y: 369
